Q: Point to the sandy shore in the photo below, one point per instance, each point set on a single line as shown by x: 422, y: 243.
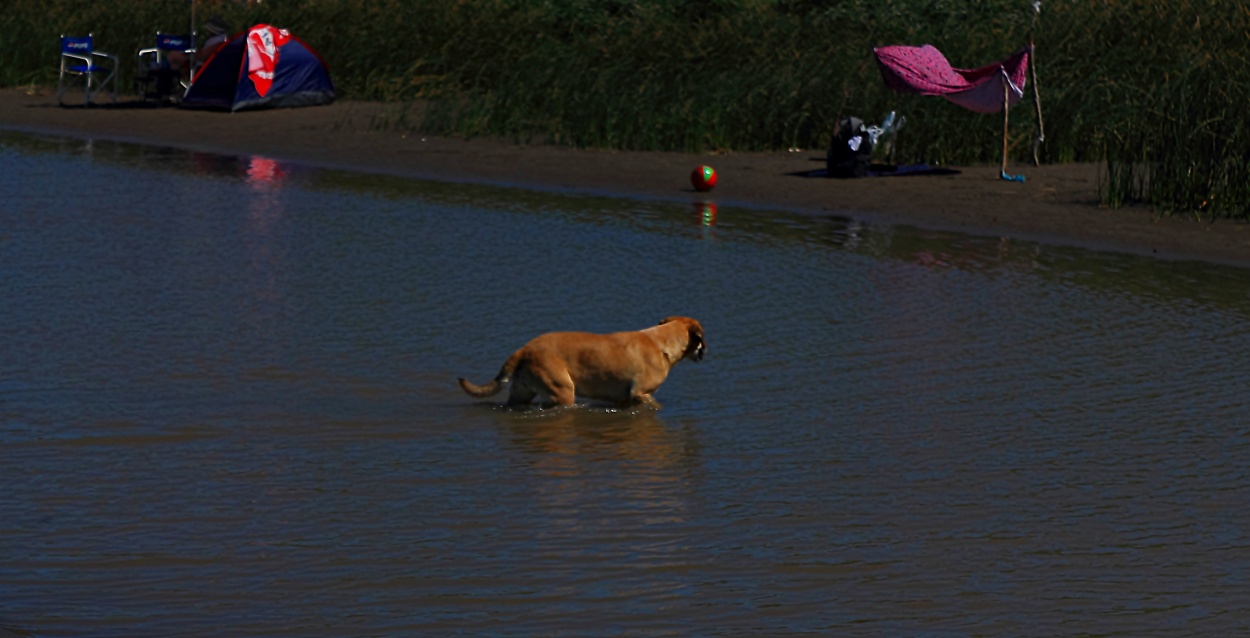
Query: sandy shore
x: 1057, y: 204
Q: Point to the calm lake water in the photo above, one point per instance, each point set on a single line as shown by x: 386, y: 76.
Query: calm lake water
x: 228, y: 408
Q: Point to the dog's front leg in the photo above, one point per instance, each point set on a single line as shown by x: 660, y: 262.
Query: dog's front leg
x: 643, y: 398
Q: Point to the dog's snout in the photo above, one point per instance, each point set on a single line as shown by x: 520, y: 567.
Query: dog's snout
x: 699, y: 349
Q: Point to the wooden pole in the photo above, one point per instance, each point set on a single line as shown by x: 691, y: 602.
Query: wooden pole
x: 1006, y: 102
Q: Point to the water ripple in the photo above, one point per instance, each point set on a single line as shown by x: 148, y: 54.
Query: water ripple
x: 246, y: 413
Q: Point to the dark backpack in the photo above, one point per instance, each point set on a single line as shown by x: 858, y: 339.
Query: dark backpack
x: 850, y: 150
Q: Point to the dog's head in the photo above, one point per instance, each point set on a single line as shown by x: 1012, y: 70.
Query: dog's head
x: 696, y: 345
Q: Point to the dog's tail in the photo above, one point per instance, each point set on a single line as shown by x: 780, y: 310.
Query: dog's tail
x: 496, y: 384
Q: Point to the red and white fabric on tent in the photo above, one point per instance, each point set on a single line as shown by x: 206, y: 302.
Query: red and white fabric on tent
x: 263, y: 42
x: 925, y: 71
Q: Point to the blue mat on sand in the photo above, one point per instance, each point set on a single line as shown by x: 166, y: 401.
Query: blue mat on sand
x: 886, y: 170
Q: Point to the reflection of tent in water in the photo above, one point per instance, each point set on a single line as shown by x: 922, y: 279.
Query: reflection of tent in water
x: 263, y: 67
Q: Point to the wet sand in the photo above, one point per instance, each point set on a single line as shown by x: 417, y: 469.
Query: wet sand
x: 1057, y: 204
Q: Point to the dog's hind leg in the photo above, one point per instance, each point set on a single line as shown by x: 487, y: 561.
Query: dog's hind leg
x: 520, y: 392
x: 562, y: 393
x: 559, y: 386
x: 520, y: 397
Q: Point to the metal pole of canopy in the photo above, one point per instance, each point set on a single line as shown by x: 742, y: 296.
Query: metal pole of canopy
x: 194, y: 47
x: 1037, y: 96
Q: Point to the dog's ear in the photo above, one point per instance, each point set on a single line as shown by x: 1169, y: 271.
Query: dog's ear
x: 665, y: 320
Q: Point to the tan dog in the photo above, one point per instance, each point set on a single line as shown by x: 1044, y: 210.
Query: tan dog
x: 622, y: 367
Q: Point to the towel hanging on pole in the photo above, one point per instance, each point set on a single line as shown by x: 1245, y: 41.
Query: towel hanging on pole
x: 992, y: 88
x: 924, y: 70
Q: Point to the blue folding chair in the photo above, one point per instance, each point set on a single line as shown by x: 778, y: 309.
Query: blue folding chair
x: 159, y: 70
x: 80, y: 61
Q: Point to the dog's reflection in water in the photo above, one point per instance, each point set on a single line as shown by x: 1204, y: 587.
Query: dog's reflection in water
x: 567, y: 440
x: 603, y: 485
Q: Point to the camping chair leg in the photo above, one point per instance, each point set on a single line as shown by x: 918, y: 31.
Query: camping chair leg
x: 1006, y: 102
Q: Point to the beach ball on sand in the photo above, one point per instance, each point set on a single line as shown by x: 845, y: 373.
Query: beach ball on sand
x: 703, y: 178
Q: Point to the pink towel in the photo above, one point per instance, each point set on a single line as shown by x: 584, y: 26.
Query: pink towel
x: 925, y: 71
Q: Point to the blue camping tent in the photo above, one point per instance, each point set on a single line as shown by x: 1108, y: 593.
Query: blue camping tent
x: 263, y: 67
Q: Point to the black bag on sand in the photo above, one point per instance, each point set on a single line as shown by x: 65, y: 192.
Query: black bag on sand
x: 850, y: 150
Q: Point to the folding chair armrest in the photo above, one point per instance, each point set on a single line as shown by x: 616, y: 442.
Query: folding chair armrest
x: 147, y: 57
x: 145, y: 62
x: 85, y: 58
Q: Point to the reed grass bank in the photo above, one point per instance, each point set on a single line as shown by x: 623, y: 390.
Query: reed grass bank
x: 1157, y: 89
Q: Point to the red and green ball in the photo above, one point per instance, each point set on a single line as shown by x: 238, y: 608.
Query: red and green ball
x: 703, y: 178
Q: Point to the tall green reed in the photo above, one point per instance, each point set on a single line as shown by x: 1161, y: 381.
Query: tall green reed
x: 1176, y: 106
